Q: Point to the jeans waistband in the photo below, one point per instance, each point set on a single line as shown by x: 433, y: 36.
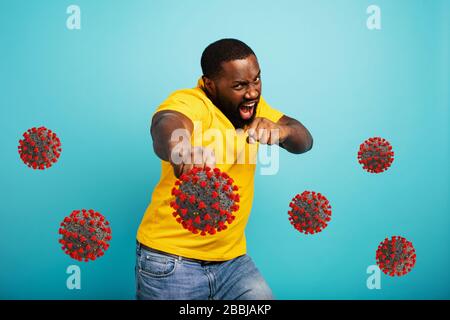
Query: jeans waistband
x: 179, y: 258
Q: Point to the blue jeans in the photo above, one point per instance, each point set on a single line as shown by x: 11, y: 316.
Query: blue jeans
x: 165, y: 277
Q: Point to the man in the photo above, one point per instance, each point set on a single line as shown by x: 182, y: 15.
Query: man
x: 173, y: 263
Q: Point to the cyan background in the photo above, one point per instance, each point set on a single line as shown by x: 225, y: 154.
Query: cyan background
x: 97, y: 88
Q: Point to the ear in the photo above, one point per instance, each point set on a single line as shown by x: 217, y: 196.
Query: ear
x: 210, y: 86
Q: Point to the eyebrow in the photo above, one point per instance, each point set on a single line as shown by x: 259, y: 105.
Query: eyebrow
x: 245, y: 81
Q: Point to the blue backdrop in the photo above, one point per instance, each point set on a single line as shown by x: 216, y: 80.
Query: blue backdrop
x: 97, y: 87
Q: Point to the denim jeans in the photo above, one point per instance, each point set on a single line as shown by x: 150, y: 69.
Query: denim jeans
x: 164, y: 277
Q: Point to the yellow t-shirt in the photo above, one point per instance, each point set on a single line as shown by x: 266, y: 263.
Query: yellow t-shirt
x: 159, y: 229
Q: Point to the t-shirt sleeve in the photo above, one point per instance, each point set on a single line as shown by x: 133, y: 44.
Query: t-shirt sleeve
x: 266, y: 111
x: 189, y: 105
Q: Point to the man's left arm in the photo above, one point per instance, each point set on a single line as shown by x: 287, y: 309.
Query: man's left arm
x: 292, y: 135
x: 297, y: 139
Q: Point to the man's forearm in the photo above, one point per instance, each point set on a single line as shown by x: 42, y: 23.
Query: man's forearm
x: 298, y: 139
x: 167, y: 132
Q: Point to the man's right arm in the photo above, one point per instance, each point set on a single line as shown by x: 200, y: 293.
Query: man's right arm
x: 177, y: 148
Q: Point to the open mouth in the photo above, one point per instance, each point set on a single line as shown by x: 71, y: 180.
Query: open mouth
x: 246, y: 109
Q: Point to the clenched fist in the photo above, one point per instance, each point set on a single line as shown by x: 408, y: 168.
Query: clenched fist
x: 264, y: 131
x: 185, y: 157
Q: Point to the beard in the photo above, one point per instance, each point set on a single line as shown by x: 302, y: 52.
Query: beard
x: 231, y: 111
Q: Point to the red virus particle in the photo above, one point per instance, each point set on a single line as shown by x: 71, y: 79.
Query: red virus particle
x: 375, y: 155
x: 396, y: 257
x: 40, y: 148
x: 85, y: 235
x: 310, y: 212
x: 205, y: 200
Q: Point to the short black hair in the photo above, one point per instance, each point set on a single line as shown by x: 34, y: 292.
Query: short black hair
x: 223, y: 50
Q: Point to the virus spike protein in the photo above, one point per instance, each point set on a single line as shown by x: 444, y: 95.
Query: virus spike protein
x: 85, y: 235
x: 396, y: 256
x: 310, y: 212
x: 205, y: 201
x: 40, y: 148
x: 375, y: 155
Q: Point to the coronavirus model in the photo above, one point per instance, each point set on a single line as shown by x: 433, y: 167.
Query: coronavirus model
x: 310, y: 212
x: 375, y: 155
x: 85, y: 235
x: 205, y: 200
x: 40, y: 148
x: 396, y: 256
